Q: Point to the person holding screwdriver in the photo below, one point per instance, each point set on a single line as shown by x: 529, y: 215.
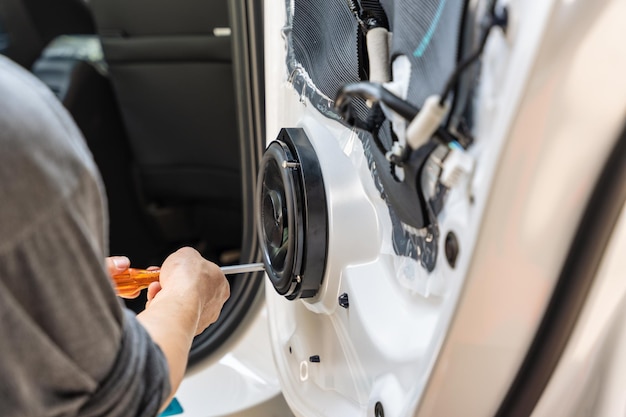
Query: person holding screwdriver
x: 68, y: 347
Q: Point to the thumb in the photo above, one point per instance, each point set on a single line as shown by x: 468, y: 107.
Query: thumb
x: 117, y: 264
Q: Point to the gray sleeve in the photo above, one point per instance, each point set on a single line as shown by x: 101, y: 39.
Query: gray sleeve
x: 137, y: 383
x: 69, y: 348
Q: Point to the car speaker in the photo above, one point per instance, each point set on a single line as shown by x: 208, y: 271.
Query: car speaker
x: 291, y: 215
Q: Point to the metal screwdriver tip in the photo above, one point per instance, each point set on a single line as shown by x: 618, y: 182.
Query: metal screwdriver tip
x: 240, y: 269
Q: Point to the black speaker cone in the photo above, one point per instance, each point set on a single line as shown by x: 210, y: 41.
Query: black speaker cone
x: 291, y: 215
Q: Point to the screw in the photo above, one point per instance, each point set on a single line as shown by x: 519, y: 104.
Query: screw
x: 343, y: 300
x: 288, y: 164
x: 452, y: 248
x: 501, y: 19
x: 314, y: 358
x: 378, y: 410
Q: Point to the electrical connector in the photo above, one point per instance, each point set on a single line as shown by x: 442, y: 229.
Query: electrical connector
x: 457, y: 164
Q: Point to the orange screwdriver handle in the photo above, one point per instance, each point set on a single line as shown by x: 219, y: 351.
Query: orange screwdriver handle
x: 132, y: 280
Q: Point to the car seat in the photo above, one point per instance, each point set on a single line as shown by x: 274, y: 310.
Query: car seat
x: 170, y: 66
x: 27, y: 26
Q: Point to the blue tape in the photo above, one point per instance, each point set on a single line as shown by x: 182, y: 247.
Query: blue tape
x: 172, y: 409
x: 419, y: 51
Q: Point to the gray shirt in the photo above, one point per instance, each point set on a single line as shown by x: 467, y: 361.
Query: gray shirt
x: 67, y: 345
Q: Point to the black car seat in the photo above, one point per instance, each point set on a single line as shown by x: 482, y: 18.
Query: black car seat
x: 170, y: 66
x: 27, y: 26
x: 56, y: 40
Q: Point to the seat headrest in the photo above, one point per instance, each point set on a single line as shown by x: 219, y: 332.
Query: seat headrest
x: 130, y: 18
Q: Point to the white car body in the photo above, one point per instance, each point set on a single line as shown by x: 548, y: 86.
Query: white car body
x: 550, y: 109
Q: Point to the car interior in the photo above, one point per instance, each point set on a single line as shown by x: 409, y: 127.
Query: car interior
x: 447, y: 259
x: 153, y: 87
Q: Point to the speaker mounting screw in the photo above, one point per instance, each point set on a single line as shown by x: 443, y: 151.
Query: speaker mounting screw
x: 344, y: 301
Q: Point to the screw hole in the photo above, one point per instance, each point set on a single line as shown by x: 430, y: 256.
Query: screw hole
x: 452, y: 249
x: 378, y: 410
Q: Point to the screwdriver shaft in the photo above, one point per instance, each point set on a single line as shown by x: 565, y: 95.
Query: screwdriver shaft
x: 240, y: 269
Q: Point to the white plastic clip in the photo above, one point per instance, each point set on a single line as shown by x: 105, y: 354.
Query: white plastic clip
x: 396, y: 151
x: 455, y: 166
x: 422, y: 127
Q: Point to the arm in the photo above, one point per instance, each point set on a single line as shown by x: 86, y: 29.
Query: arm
x: 188, y: 298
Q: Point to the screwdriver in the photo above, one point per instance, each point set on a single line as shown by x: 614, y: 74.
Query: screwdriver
x: 132, y: 280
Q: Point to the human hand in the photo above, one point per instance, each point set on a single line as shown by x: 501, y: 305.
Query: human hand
x: 187, y: 275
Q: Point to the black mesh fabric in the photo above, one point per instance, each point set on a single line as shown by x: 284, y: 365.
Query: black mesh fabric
x: 323, y: 45
x: 427, y: 32
x: 324, y: 42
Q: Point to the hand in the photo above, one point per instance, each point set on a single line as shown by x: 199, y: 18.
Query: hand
x: 117, y: 264
x: 186, y: 274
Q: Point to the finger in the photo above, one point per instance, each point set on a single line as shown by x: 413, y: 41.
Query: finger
x: 117, y: 264
x: 153, y: 268
x: 153, y: 289
x: 131, y: 296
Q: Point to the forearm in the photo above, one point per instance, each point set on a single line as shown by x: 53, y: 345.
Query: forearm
x: 171, y: 321
x: 187, y: 299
